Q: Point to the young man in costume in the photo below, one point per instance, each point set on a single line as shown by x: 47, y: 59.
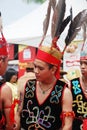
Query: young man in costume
x: 79, y: 92
x: 3, y: 66
x: 46, y: 102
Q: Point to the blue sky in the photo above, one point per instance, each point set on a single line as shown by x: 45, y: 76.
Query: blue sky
x: 13, y: 10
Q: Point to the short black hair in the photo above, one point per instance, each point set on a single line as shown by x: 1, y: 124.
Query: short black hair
x: 50, y: 65
x: 9, y: 73
x: 29, y: 69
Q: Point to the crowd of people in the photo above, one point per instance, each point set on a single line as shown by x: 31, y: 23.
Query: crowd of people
x: 40, y: 99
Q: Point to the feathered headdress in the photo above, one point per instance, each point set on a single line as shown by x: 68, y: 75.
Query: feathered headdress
x: 0, y: 22
x: 58, y: 22
x: 3, y: 43
x: 53, y: 53
x: 75, y: 26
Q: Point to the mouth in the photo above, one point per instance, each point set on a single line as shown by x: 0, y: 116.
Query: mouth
x: 37, y: 76
x: 82, y: 71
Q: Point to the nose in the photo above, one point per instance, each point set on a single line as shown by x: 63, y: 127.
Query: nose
x: 36, y: 70
x: 83, y: 65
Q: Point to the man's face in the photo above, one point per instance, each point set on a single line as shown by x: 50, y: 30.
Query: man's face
x: 3, y: 65
x: 42, y: 71
x: 83, y: 67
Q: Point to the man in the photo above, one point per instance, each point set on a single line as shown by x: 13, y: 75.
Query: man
x: 9, y: 99
x: 47, y: 101
x: 3, y: 66
x: 3, y: 55
x: 29, y: 74
x: 79, y: 92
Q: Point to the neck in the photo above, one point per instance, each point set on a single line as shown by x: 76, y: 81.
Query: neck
x: 49, y: 82
x: 84, y: 84
x: 46, y: 87
x: 84, y: 79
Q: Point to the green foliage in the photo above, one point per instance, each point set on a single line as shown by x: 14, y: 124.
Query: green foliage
x: 37, y: 1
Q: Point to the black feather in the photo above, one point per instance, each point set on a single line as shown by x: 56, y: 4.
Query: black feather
x: 61, y: 7
x: 64, y: 24
x: 75, y: 26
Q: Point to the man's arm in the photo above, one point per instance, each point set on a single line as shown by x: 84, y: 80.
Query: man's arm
x: 67, y: 112
x: 20, y: 105
x: 6, y: 101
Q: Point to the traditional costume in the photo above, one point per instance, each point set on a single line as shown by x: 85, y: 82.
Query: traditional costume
x: 79, y: 100
x: 48, y: 115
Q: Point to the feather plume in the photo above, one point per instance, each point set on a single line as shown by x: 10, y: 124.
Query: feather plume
x: 75, y: 26
x: 0, y: 23
x: 53, y: 4
x: 84, y: 27
x: 61, y: 12
x: 65, y: 22
x: 58, y: 16
x: 46, y: 21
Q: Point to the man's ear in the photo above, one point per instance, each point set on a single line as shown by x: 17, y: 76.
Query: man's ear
x: 54, y: 69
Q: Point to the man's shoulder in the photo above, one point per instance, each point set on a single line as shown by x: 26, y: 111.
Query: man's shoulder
x: 61, y: 82
x: 4, y: 87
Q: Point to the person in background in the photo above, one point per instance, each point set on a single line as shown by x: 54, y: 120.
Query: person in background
x: 2, y: 80
x: 9, y: 98
x: 3, y: 67
x: 79, y: 92
x: 29, y: 74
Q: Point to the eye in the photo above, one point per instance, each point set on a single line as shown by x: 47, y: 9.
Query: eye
x: 83, y: 62
x: 80, y: 62
x: 41, y: 68
x: 34, y: 66
x: 86, y: 62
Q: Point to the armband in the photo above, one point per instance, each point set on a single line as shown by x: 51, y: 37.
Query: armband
x: 84, y: 124
x: 66, y: 114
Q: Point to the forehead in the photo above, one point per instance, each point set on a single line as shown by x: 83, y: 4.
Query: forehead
x: 83, y: 60
x: 38, y: 62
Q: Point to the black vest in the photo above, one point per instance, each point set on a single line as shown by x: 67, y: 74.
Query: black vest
x: 45, y: 116
x: 79, y: 104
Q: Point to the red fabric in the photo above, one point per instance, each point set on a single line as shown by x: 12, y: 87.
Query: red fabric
x: 84, y: 124
x: 66, y: 114
x: 12, y: 114
x: 3, y: 46
x: 83, y: 58
x: 2, y: 122
x: 46, y: 57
